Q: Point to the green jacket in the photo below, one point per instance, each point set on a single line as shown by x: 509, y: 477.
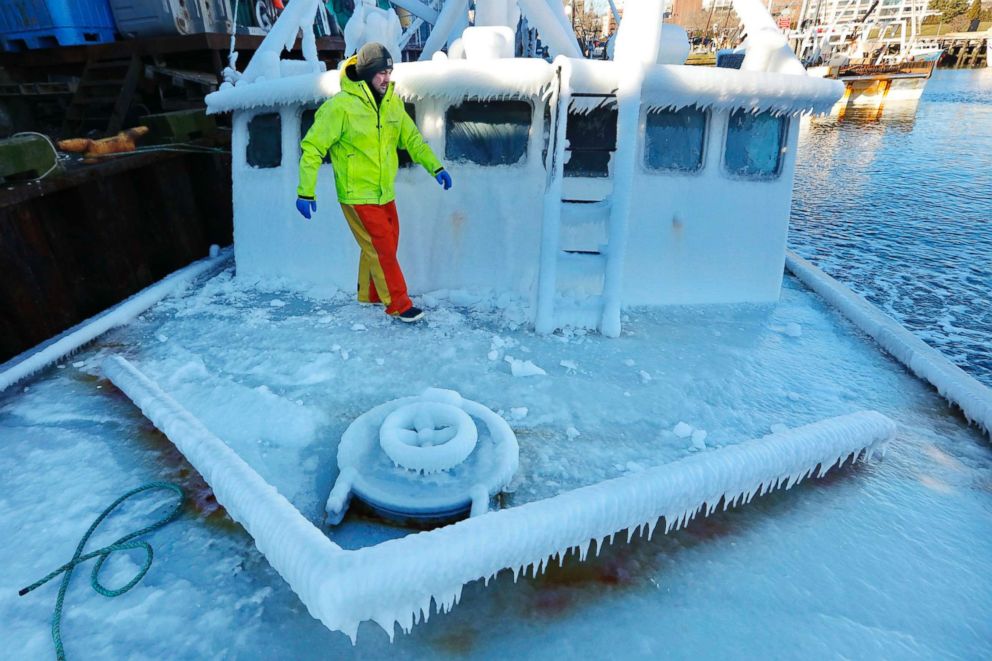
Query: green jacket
x: 362, y: 140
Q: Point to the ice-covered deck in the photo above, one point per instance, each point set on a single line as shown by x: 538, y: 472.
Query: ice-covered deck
x: 834, y: 567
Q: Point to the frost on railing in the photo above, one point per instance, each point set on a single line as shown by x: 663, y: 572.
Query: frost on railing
x: 397, y: 581
x: 298, y: 17
x: 970, y: 395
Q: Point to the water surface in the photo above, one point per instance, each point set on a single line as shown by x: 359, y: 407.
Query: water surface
x: 900, y: 209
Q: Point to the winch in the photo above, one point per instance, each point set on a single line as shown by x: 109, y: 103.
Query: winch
x: 429, y: 458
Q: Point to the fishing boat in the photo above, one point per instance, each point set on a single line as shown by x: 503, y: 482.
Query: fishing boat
x: 872, y: 47
x: 608, y: 291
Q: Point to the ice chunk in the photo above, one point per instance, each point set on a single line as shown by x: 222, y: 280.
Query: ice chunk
x: 699, y: 439
x: 682, y: 430
x: 277, y: 303
x: 570, y: 365
x: 518, y: 413
x: 358, y: 327
x: 572, y: 432
x: 524, y: 367
x: 414, y: 437
x: 778, y: 428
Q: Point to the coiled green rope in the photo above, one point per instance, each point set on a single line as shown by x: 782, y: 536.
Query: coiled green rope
x: 124, y: 543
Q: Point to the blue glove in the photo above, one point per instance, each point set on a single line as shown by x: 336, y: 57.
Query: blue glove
x: 444, y: 179
x: 305, y: 207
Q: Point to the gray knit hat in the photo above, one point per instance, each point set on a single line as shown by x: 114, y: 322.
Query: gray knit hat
x: 373, y: 57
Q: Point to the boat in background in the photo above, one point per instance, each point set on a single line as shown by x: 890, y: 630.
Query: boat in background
x: 870, y: 46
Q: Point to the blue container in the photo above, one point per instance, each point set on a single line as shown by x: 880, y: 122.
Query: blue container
x: 50, y: 23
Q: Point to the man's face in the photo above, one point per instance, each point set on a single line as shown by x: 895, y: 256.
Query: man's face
x: 380, y: 81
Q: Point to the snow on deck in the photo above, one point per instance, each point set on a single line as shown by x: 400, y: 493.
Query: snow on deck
x: 836, y: 567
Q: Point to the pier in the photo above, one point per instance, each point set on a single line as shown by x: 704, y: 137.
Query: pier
x: 964, y: 50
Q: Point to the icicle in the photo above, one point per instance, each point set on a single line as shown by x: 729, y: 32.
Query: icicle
x: 406, y: 624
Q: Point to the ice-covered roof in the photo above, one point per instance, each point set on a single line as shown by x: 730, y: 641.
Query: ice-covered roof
x: 710, y: 87
x: 485, y: 79
x: 677, y: 86
x: 310, y: 88
x: 444, y: 79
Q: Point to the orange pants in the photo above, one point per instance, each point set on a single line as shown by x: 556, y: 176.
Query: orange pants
x: 377, y: 230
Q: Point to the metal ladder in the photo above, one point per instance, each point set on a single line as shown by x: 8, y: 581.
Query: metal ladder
x: 573, y: 277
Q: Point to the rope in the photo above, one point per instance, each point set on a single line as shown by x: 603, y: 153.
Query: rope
x: 179, y: 147
x: 124, y: 543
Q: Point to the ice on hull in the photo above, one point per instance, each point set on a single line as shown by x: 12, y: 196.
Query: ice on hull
x: 397, y: 581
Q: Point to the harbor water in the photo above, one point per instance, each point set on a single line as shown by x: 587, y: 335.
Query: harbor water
x: 898, y: 206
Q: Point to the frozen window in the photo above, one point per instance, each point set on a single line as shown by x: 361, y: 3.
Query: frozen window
x: 755, y: 143
x: 306, y: 121
x: 488, y: 132
x: 674, y: 139
x: 264, y: 141
x: 405, y: 160
x: 592, y: 139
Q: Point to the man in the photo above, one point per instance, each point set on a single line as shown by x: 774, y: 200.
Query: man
x: 362, y: 126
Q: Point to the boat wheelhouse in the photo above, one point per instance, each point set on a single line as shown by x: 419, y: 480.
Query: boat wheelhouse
x: 580, y: 185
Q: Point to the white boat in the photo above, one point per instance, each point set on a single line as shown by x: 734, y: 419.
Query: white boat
x: 873, y: 48
x: 549, y: 230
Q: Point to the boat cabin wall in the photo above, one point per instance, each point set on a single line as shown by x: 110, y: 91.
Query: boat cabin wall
x: 708, y: 221
x: 483, y: 233
x: 711, y: 224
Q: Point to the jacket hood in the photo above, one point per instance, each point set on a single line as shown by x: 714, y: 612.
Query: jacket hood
x: 351, y: 83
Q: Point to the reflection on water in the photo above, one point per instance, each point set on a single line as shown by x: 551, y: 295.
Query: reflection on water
x: 898, y: 116
x: 899, y: 207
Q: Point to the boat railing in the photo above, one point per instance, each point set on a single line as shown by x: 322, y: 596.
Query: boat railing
x: 911, y: 67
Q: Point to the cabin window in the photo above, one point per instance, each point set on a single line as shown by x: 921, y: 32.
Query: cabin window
x: 674, y: 140
x: 488, y: 132
x: 755, y: 144
x: 306, y: 121
x: 592, y: 136
x: 265, y: 141
x: 404, y: 156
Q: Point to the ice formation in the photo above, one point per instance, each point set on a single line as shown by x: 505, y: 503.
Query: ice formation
x: 593, y: 244
x: 429, y: 461
x: 957, y: 386
x: 71, y: 340
x: 402, y: 581
x: 295, y: 20
x: 368, y: 24
x: 428, y: 436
